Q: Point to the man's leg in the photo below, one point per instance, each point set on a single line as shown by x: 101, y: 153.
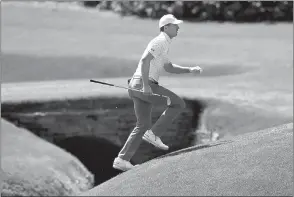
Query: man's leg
x: 177, y: 106
x: 143, y: 114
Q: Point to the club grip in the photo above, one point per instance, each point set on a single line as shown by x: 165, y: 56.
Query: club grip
x: 91, y: 80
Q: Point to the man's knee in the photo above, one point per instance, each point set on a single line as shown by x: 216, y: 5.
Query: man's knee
x: 180, y: 104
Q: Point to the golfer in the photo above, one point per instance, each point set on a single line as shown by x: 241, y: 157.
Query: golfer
x: 153, y: 61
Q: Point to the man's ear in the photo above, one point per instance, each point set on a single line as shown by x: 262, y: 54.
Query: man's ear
x: 164, y: 27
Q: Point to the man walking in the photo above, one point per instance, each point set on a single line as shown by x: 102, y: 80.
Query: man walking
x: 145, y: 79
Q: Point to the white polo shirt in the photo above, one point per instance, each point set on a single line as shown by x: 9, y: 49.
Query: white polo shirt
x: 158, y: 47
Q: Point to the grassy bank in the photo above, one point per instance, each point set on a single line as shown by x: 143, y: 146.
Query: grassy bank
x: 248, y: 65
x: 247, y: 80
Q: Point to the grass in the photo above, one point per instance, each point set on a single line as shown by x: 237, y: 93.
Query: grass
x: 247, y: 65
x: 31, y: 171
x: 255, y: 164
x: 97, y: 40
x: 248, y: 75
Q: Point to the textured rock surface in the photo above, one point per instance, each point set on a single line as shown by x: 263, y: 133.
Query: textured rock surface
x: 34, y: 167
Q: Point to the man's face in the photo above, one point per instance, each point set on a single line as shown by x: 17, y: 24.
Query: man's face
x: 172, y: 30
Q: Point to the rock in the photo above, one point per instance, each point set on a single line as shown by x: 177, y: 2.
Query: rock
x: 253, y: 164
x: 34, y: 167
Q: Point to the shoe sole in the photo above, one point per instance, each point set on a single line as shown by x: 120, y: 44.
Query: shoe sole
x: 154, y: 144
x: 119, y: 168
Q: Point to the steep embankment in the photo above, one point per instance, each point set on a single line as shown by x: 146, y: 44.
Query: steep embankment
x: 254, y: 164
x: 34, y: 167
x: 94, y: 119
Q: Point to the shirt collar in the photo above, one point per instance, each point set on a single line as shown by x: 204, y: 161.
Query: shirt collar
x: 166, y: 37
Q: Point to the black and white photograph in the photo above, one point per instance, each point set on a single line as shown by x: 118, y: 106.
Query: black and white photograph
x: 146, y: 98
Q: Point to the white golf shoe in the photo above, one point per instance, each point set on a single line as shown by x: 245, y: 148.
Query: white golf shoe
x: 150, y: 137
x: 122, y: 165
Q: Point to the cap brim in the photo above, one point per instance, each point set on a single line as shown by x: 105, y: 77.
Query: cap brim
x: 178, y: 22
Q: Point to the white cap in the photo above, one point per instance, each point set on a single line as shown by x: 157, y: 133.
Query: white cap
x: 167, y: 19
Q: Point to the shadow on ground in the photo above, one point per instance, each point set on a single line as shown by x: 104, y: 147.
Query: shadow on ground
x: 194, y: 148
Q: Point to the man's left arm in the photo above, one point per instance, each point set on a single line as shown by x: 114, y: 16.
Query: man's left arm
x: 176, y: 69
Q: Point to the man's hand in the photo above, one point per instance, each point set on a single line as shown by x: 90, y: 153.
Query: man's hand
x: 195, y: 69
x: 147, y: 90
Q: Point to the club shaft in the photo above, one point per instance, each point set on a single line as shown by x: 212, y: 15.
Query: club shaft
x: 109, y: 84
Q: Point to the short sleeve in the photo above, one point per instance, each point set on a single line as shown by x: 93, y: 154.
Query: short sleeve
x: 155, y: 47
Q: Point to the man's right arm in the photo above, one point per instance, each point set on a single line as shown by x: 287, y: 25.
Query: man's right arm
x: 154, y: 49
x: 145, y: 66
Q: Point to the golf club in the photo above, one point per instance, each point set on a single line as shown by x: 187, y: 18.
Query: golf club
x: 109, y: 84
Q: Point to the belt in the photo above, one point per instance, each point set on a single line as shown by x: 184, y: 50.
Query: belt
x: 154, y: 81
x: 151, y: 79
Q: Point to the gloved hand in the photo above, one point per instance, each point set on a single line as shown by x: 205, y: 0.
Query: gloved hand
x: 147, y: 90
x: 195, y: 69
x: 168, y: 101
